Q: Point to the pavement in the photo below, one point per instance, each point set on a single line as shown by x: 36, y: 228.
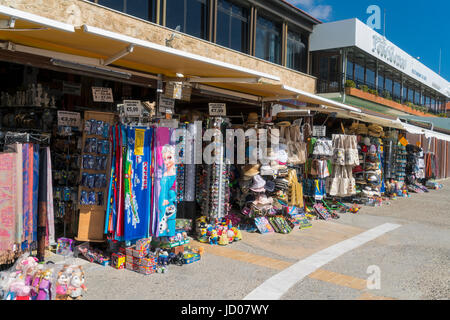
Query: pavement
x: 411, y: 261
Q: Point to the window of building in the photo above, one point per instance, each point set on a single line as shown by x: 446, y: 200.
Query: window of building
x: 144, y: 9
x: 405, y: 94
x: 397, y: 94
x: 191, y: 16
x: 417, y: 97
x: 427, y: 101
x: 433, y: 104
x: 232, y: 26
x: 359, y: 74
x: 370, y: 78
x: 410, y: 94
x: 296, y: 55
x: 388, y: 85
x: 268, y: 40
x: 380, y: 83
x: 349, y: 70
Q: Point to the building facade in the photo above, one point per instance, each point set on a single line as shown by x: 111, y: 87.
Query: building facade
x: 349, y: 54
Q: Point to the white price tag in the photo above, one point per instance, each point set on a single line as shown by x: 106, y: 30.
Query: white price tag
x: 132, y: 108
x: 100, y: 94
x: 217, y: 109
x: 69, y: 119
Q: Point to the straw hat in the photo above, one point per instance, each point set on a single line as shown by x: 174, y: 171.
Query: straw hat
x: 252, y: 117
x: 251, y: 170
x: 284, y: 124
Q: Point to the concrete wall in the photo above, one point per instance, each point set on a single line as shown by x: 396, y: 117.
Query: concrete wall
x: 79, y: 12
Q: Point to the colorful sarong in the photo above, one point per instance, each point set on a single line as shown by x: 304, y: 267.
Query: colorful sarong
x: 7, y: 201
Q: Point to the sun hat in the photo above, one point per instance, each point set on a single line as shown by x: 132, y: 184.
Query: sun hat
x: 251, y: 170
x: 284, y: 124
x: 366, y: 141
x: 282, y: 156
x: 252, y: 117
x: 258, y: 183
x: 270, y: 186
x: 267, y: 170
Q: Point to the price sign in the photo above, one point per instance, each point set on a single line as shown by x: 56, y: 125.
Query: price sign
x: 132, y: 108
x: 100, y: 94
x: 69, y: 119
x: 217, y: 109
x: 166, y: 105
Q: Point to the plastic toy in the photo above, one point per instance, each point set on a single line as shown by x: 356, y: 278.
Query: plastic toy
x: 213, y: 237
x: 20, y: 289
x: 64, y: 246
x: 76, y: 286
x: 62, y: 284
x: 237, y: 234
x: 45, y: 285
x: 223, y: 239
x: 163, y: 257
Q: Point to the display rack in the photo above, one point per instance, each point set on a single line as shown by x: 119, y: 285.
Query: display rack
x: 92, y: 216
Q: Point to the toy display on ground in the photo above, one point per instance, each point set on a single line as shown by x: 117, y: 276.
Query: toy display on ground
x: 30, y: 280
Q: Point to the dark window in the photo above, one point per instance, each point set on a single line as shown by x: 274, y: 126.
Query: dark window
x: 232, y: 26
x: 405, y: 94
x: 370, y: 78
x: 296, y: 51
x: 113, y: 4
x: 136, y: 8
x: 191, y: 16
x: 388, y: 85
x: 268, y: 40
x: 380, y: 83
x: 410, y: 95
x: 397, y: 93
x: 350, y: 70
x: 417, y: 97
x: 359, y: 74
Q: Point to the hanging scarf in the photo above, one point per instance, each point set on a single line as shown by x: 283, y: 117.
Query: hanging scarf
x: 27, y: 153
x: 35, y: 189
x: 7, y: 201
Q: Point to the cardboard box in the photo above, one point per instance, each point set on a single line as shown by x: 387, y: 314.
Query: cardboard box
x: 129, y: 251
x: 147, y: 270
x: 138, y: 253
x: 148, y: 262
x: 177, y: 249
x: 143, y: 244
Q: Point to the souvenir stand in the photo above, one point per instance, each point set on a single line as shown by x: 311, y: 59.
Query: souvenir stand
x: 94, y: 175
x: 415, y: 169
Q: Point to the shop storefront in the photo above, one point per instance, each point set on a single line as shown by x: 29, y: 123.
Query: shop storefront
x: 141, y: 165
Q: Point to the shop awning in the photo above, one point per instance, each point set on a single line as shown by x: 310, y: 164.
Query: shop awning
x: 106, y: 48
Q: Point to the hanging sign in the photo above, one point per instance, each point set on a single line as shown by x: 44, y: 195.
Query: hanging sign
x: 73, y: 89
x: 217, y: 109
x: 403, y: 141
x: 166, y: 105
x: 100, y: 94
x: 319, y: 131
x: 69, y: 119
x: 132, y: 108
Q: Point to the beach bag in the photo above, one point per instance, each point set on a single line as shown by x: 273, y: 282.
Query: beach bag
x: 334, y: 182
x: 351, y: 150
x: 296, y: 148
x: 323, y: 147
x: 338, y: 150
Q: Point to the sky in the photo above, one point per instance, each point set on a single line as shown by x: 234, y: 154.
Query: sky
x: 419, y: 27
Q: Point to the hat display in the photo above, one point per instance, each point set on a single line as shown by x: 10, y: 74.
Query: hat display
x: 282, y: 156
x: 366, y: 141
x: 270, y: 186
x: 284, y: 124
x: 267, y: 170
x: 258, y: 184
x: 251, y: 170
x: 252, y: 117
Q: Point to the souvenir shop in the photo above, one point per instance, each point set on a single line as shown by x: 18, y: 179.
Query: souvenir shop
x: 114, y: 170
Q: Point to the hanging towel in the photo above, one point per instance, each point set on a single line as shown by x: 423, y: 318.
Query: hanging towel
x: 50, y: 208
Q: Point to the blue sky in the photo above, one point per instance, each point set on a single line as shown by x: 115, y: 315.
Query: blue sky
x: 418, y: 27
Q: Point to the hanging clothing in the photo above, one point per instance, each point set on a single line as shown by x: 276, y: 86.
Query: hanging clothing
x: 27, y: 153
x: 35, y: 189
